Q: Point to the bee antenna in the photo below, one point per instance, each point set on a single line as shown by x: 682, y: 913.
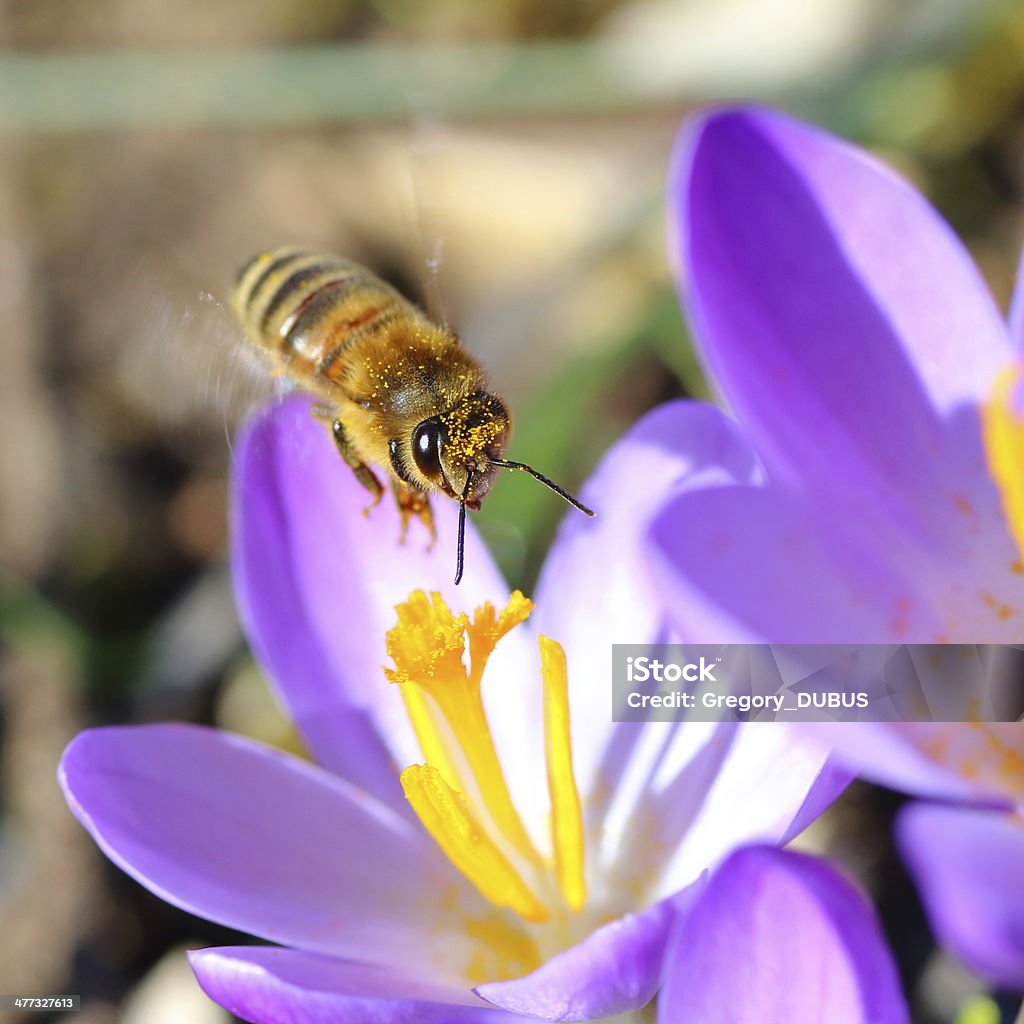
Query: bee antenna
x: 460, y: 556
x: 505, y: 464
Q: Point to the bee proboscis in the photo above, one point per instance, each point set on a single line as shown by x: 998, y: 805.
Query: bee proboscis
x: 395, y: 389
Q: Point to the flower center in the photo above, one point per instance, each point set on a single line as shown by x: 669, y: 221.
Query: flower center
x: 460, y: 793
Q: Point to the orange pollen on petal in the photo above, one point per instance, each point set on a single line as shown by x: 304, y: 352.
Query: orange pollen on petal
x: 1002, y: 611
x: 989, y: 753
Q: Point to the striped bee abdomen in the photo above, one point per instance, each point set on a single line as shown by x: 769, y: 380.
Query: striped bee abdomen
x: 306, y: 308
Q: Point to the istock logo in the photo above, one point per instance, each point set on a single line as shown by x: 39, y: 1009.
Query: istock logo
x: 810, y: 682
x: 644, y: 669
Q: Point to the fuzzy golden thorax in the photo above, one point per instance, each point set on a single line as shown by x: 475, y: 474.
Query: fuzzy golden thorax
x: 426, y: 410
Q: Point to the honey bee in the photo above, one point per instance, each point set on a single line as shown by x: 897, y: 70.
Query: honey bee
x: 395, y: 390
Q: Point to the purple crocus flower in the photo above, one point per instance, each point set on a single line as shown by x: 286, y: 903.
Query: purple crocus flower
x: 853, y: 338
x: 851, y: 335
x: 544, y: 886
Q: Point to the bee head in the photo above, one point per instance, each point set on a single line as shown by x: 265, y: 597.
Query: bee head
x: 460, y: 451
x: 454, y: 451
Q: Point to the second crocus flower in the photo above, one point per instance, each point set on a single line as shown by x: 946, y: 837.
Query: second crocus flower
x: 853, y: 338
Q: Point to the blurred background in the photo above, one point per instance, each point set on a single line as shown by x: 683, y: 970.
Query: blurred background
x: 500, y: 160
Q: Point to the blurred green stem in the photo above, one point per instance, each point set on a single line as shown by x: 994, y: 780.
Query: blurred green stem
x: 352, y: 83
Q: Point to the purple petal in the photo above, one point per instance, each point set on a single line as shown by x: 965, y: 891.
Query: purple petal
x: 896, y: 754
x: 594, y: 579
x: 846, y: 325
x: 969, y: 865
x: 615, y: 970
x: 317, y: 583
x: 1017, y: 307
x: 717, y: 787
x: 594, y: 583
x: 828, y: 785
x: 750, y: 564
x: 268, y: 985
x: 779, y: 936
x: 240, y: 834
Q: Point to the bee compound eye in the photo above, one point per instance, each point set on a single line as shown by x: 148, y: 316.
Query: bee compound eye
x: 426, y: 448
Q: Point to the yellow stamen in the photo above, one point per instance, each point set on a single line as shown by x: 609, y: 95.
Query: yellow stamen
x: 1004, y: 443
x: 487, y: 628
x: 427, y: 643
x: 446, y: 817
x: 460, y: 794
x: 427, y: 647
x: 566, y: 815
x: 428, y: 724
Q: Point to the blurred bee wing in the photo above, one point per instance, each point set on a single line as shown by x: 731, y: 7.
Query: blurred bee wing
x: 189, y: 369
x: 460, y: 185
x: 429, y: 142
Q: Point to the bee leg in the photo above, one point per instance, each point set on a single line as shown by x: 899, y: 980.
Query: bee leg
x: 412, y: 502
x: 360, y: 469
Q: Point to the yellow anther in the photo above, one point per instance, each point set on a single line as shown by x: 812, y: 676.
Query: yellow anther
x: 460, y: 794
x: 433, y: 735
x: 427, y: 647
x: 447, y: 818
x: 428, y: 640
x: 428, y: 644
x: 488, y: 627
x: 1004, y: 444
x: 566, y: 814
